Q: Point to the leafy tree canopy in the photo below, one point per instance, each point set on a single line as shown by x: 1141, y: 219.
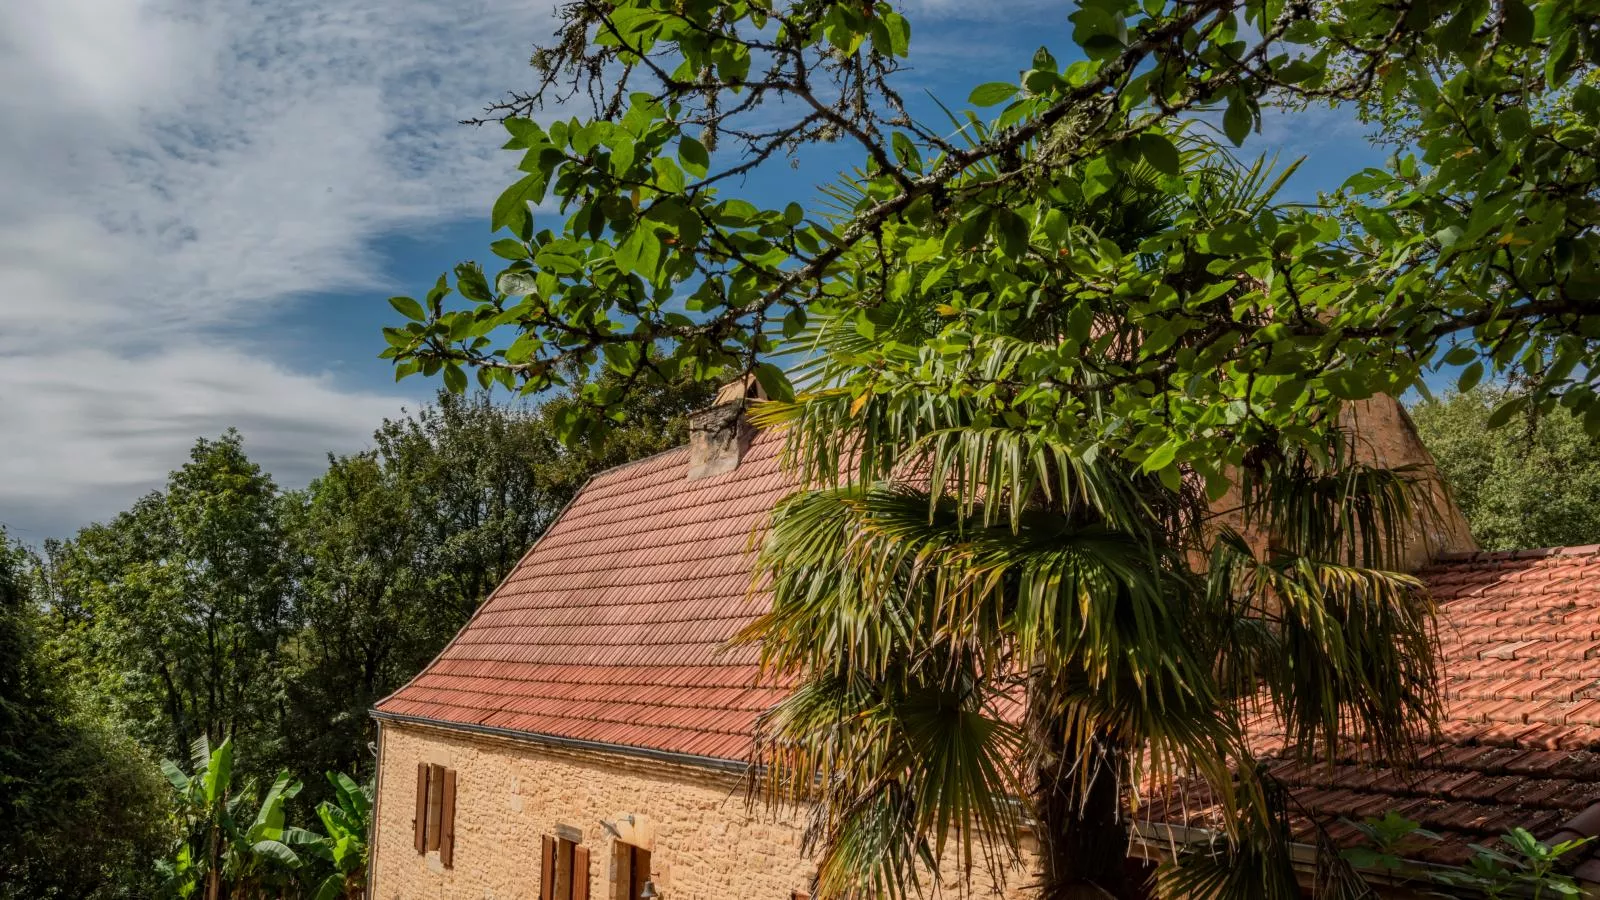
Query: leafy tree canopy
x: 1533, y: 483
x: 81, y: 802
x: 179, y: 606
x: 1476, y: 247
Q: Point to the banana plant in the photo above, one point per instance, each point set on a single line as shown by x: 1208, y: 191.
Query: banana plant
x: 348, y: 820
x: 218, y: 855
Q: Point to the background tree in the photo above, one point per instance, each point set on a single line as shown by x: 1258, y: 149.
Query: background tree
x: 81, y: 803
x: 221, y: 607
x: 1535, y: 482
x: 182, y: 603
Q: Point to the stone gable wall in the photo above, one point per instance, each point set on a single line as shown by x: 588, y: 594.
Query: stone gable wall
x: 705, y: 843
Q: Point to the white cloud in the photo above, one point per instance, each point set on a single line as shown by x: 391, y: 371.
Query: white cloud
x: 84, y: 440
x: 178, y: 169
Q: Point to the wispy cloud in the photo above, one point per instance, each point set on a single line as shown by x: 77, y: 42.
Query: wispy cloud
x: 177, y: 171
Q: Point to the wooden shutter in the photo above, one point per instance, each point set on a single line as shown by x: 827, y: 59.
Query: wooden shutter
x: 435, y: 804
x: 420, y: 823
x: 547, y: 868
x: 580, y: 873
x: 447, y: 816
x: 638, y: 871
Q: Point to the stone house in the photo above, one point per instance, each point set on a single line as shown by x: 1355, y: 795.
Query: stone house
x: 587, y: 731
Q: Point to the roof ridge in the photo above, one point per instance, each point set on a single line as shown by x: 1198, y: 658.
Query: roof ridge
x: 1503, y: 555
x: 760, y: 432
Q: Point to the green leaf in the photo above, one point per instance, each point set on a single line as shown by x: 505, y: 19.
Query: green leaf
x: 517, y: 282
x: 409, y: 308
x: 640, y: 252
x: 218, y: 776
x: 1160, y: 152
x: 278, y: 852
x: 1516, y: 22
x: 175, y: 774
x: 455, y: 380
x: 794, y: 322
x: 471, y: 284
x: 331, y: 888
x: 1505, y: 411
x: 511, y: 209
x: 899, y: 33
x: 993, y: 93
x: 509, y: 248
x: 696, y: 161
x: 1238, y: 119
x: 669, y: 177
x: 1347, y: 385
x: 1160, y: 458
x: 1470, y: 376
x: 774, y: 382
x: 1560, y: 59
x: 1041, y: 81
x: 906, y: 152
x: 1012, y: 232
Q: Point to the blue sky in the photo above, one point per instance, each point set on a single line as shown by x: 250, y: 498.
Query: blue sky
x: 208, y: 202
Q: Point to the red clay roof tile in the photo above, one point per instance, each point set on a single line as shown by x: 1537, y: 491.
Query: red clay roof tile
x: 1521, y: 657
x: 614, y: 627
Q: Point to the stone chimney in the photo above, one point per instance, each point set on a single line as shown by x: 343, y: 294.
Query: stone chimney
x: 719, y: 436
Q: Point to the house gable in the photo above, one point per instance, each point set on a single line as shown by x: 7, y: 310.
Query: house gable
x: 613, y: 629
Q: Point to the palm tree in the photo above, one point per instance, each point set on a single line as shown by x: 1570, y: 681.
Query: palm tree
x: 995, y: 626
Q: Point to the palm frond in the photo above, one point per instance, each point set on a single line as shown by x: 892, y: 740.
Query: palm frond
x: 1350, y: 664
x: 1256, y: 865
x: 909, y: 770
x: 1329, y: 505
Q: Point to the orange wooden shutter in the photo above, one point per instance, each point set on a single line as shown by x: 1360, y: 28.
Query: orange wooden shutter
x: 435, y: 804
x: 447, y: 816
x: 420, y: 823
x: 547, y: 868
x: 580, y: 873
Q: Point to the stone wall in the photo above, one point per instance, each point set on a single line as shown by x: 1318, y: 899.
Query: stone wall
x: 705, y: 843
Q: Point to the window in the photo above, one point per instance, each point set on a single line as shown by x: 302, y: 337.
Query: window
x: 632, y: 871
x: 435, y: 824
x: 563, y: 869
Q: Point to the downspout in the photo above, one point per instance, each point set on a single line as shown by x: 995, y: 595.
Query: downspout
x: 372, y: 831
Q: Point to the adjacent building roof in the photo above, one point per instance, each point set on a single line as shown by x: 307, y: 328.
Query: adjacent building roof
x: 1520, y: 736
x: 613, y: 628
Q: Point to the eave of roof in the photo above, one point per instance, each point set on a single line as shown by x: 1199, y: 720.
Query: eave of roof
x: 564, y: 743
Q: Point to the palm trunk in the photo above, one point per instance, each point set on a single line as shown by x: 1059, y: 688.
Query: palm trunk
x: 1083, y: 838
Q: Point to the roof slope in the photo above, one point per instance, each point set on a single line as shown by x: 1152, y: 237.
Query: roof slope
x: 1520, y: 657
x: 613, y: 628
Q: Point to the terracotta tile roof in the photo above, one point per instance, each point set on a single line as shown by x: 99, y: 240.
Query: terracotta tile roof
x: 1519, y: 743
x: 613, y: 628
